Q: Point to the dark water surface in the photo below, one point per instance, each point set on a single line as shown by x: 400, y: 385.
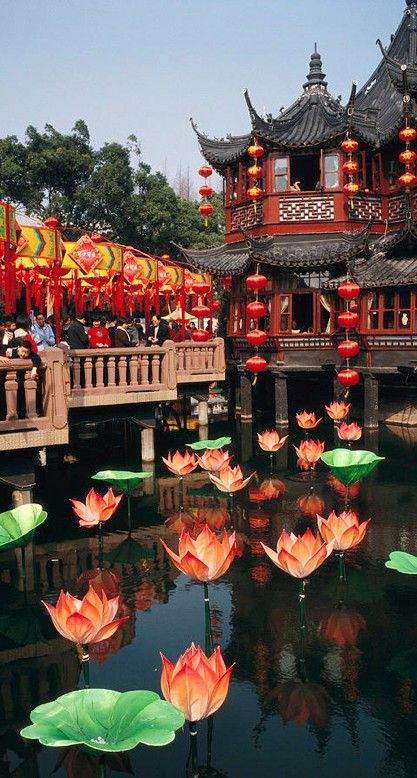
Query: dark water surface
x: 343, y: 704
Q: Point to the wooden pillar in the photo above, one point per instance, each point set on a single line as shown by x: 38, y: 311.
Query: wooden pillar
x: 370, y: 414
x: 245, y: 398
x: 281, y: 399
x: 246, y: 442
x: 148, y: 444
x: 203, y: 413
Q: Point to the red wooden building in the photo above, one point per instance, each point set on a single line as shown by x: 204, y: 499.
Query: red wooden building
x: 307, y: 235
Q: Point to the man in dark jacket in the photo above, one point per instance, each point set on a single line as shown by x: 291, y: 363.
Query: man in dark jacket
x: 76, y: 335
x: 159, y: 331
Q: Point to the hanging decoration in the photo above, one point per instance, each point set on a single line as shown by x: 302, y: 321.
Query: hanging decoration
x: 350, y: 168
x: 206, y: 192
x: 201, y: 311
x: 254, y: 173
x: 348, y: 320
x: 408, y: 157
x: 255, y: 310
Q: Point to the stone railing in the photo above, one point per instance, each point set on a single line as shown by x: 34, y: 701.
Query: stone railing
x: 34, y: 411
x: 103, y: 376
x: 200, y: 361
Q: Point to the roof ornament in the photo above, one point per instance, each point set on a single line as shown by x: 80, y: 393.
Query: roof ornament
x: 315, y: 78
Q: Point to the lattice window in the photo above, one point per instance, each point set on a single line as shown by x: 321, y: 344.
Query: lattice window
x: 306, y: 209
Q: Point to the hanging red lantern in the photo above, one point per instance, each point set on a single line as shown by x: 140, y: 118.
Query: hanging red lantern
x: 166, y: 258
x: 349, y: 145
x: 256, y: 309
x: 205, y: 210
x: 226, y: 282
x: 256, y: 364
x: 351, y: 166
x: 407, y: 157
x: 96, y: 237
x: 256, y: 337
x: 407, y: 134
x: 205, y: 171
x: 408, y: 179
x: 351, y: 188
x: 205, y: 190
x: 200, y: 311
x: 256, y: 281
x: 255, y: 150
x: 200, y: 336
x: 348, y: 290
x: 51, y: 222
x: 254, y: 171
x: 348, y: 377
x: 201, y: 287
x: 215, y: 306
x: 348, y: 349
x: 348, y: 320
x: 254, y: 192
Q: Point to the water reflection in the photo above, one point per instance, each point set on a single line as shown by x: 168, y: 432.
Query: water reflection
x: 356, y: 680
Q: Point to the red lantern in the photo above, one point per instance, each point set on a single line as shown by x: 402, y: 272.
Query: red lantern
x: 51, y: 223
x: 254, y: 192
x: 205, y: 171
x: 348, y: 290
x: 256, y: 364
x: 254, y: 171
x: 348, y: 349
x: 96, y: 237
x: 351, y: 166
x: 407, y: 157
x: 349, y: 146
x: 200, y: 311
x: 205, y: 190
x: 205, y: 209
x: 348, y: 320
x: 166, y: 258
x: 256, y: 309
x: 256, y: 337
x: 351, y: 188
x: 256, y: 151
x: 201, y: 287
x: 407, y: 134
x: 227, y: 283
x: 200, y: 336
x: 348, y: 377
x: 256, y: 281
x: 215, y: 306
x: 407, y: 180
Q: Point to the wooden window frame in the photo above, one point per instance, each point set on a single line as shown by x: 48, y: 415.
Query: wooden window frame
x: 397, y: 311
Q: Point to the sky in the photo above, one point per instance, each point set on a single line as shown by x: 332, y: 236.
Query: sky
x: 146, y: 66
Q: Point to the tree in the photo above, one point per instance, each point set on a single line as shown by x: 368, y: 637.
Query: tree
x: 110, y: 190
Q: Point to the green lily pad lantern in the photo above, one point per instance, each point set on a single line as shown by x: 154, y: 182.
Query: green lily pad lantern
x: 125, y: 480
x: 350, y: 466
x: 18, y: 525
x: 104, y: 720
x: 201, y: 445
x: 402, y: 562
x: 129, y: 552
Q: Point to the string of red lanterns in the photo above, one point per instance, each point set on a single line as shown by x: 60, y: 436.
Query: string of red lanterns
x: 256, y: 309
x: 350, y: 168
x: 201, y: 311
x: 348, y: 320
x: 206, y: 191
x: 408, y: 157
x: 254, y: 172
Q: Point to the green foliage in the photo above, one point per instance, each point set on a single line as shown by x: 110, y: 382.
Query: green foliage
x: 111, y: 190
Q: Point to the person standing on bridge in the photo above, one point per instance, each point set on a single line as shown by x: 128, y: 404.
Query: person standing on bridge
x: 98, y: 336
x: 159, y: 331
x: 43, y: 333
x: 76, y: 335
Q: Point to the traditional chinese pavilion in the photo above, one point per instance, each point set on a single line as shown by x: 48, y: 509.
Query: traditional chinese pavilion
x: 306, y: 235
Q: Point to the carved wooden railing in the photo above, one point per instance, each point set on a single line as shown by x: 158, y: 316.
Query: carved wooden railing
x: 200, y: 361
x: 119, y: 373
x: 41, y: 407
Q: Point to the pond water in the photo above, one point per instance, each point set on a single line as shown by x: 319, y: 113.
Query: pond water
x: 341, y: 702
